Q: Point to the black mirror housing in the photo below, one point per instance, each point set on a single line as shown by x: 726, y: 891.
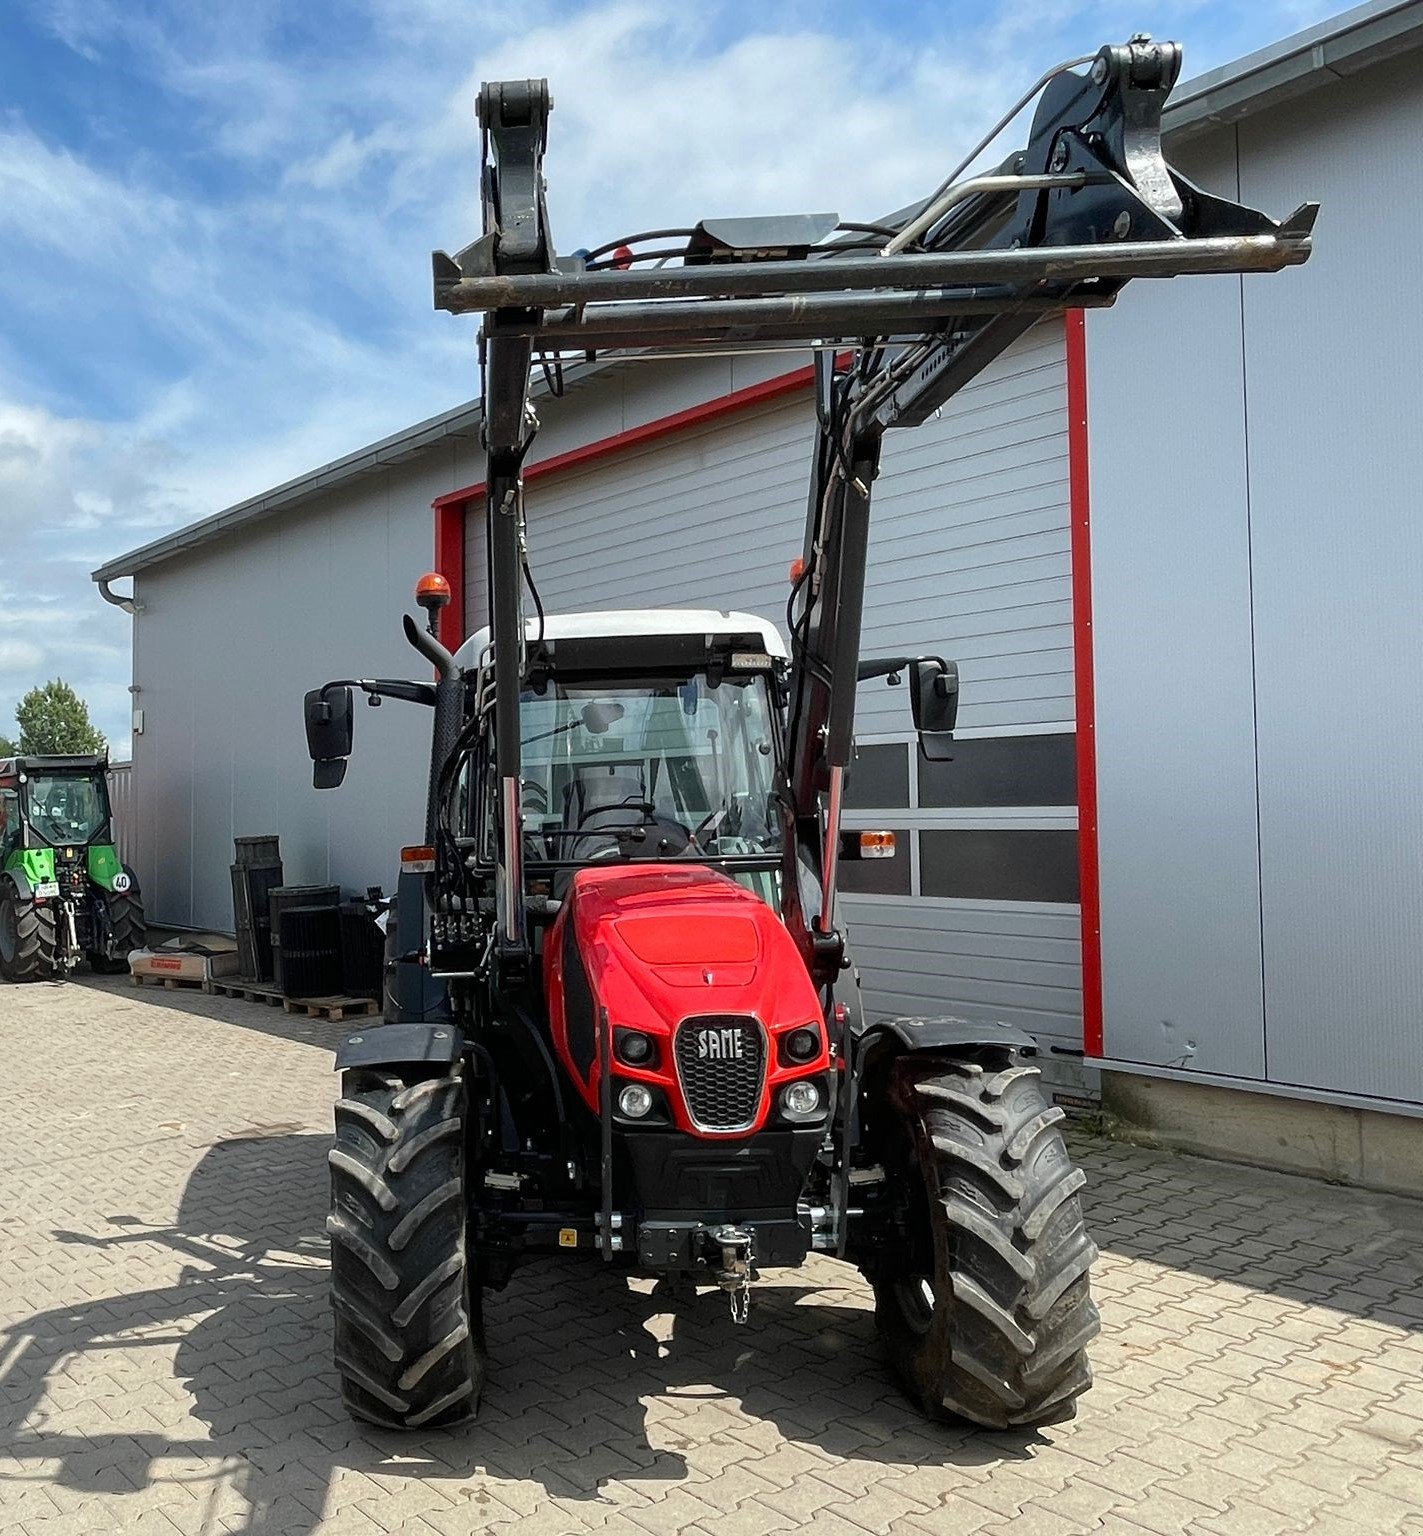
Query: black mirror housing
x: 329, y: 729
x: 934, y: 700
x: 328, y: 772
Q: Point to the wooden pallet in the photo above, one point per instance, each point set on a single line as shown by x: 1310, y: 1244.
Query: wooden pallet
x: 173, y: 983
x: 333, y: 1009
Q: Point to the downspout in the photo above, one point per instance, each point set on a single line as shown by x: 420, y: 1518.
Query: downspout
x: 128, y: 604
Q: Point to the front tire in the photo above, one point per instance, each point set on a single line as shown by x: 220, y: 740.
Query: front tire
x: 129, y: 930
x: 985, y: 1312
x: 28, y: 938
x: 408, y: 1326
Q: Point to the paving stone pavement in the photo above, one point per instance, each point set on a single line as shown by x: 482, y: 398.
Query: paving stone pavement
x: 164, y: 1353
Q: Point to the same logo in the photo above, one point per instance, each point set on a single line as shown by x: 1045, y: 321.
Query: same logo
x: 720, y: 1045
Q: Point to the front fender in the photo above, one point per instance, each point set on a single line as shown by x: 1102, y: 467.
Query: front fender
x: 945, y: 1034
x: 400, y: 1045
x: 103, y: 863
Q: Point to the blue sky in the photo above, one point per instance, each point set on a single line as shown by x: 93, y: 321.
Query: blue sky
x: 215, y: 220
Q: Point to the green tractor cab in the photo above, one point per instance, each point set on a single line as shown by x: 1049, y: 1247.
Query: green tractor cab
x: 64, y: 893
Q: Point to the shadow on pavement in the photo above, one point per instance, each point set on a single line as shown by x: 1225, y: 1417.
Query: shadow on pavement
x: 579, y: 1357
x: 261, y: 1018
x: 1301, y: 1239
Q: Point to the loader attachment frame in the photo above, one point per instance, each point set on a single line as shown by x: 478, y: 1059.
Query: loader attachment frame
x: 901, y: 317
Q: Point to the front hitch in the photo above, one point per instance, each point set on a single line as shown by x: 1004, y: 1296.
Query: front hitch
x: 736, y: 1249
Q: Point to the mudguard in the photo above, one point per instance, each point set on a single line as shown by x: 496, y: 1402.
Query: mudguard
x: 17, y: 877
x: 945, y: 1034
x: 400, y: 1045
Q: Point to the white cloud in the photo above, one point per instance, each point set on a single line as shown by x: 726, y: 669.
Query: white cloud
x: 20, y: 656
x: 184, y: 323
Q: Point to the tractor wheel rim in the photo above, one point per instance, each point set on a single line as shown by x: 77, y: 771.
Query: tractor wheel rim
x: 918, y: 1301
x: 9, y: 931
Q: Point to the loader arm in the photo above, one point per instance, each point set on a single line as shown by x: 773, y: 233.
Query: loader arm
x: 901, y: 317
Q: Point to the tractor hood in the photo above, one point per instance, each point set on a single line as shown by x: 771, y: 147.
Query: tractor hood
x: 661, y: 947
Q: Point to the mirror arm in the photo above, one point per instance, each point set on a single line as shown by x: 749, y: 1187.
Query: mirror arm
x: 385, y: 688
x: 397, y: 688
x: 882, y: 666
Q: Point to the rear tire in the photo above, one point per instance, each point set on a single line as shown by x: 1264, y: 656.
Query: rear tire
x: 408, y: 1325
x: 987, y: 1314
x: 129, y: 929
x: 28, y: 937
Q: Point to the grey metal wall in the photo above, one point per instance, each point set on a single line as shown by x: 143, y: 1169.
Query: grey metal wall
x: 1257, y: 556
x: 230, y: 638
x: 969, y: 558
x: 120, y: 780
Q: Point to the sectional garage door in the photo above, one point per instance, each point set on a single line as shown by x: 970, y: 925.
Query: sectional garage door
x: 969, y: 559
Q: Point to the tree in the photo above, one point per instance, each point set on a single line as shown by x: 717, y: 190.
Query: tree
x: 54, y: 719
x: 8, y: 748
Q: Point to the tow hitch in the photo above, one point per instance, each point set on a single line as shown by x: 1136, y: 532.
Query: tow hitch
x: 737, y: 1260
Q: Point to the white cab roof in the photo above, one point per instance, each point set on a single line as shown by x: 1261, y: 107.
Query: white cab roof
x: 636, y: 621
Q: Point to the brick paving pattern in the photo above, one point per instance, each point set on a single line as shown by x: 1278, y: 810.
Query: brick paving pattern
x: 164, y: 1353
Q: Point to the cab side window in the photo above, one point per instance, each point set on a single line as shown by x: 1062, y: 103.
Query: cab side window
x: 9, y: 823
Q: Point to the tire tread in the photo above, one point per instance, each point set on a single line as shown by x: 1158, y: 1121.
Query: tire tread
x: 1013, y: 1314
x: 409, y: 1337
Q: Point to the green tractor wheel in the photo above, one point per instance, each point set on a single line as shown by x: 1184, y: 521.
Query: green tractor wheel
x: 27, y: 937
x: 126, y: 922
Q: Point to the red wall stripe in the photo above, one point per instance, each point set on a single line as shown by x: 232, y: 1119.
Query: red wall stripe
x: 1079, y: 498
x: 649, y: 431
x: 449, y: 561
x: 450, y: 508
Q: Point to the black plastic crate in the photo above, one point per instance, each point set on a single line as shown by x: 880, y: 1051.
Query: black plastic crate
x: 258, y: 850
x: 252, y: 884
x: 309, y: 951
x: 362, y: 950
x: 282, y: 899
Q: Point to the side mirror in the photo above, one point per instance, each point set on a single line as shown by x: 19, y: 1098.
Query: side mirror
x: 934, y: 700
x: 329, y: 729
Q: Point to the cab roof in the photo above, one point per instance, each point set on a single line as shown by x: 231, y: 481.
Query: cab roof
x: 646, y: 623
x: 78, y: 763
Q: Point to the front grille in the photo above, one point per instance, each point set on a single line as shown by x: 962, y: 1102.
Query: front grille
x: 721, y: 1061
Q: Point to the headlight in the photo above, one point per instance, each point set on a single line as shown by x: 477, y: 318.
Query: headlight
x: 635, y: 1101
x: 802, y: 1044
x: 633, y: 1047
x: 801, y: 1099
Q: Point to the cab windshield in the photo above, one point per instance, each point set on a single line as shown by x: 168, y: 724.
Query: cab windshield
x: 648, y: 769
x: 65, y: 810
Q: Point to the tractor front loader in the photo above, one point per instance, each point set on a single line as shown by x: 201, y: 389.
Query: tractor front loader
x: 649, y: 1042
x: 64, y: 894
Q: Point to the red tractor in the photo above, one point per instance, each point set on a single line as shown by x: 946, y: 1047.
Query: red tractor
x: 637, y: 1028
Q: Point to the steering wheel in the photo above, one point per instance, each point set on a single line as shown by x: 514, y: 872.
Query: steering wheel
x: 645, y: 806
x: 656, y: 827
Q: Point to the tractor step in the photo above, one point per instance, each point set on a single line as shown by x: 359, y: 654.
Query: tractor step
x: 333, y: 1009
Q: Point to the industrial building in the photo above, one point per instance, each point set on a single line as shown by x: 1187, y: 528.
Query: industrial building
x: 1173, y: 546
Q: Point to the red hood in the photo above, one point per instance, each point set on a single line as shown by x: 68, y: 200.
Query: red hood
x: 660, y: 944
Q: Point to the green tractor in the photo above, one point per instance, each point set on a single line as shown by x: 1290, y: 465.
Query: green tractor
x: 64, y: 894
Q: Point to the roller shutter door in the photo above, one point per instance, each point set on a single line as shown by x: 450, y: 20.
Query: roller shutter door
x: 969, y: 559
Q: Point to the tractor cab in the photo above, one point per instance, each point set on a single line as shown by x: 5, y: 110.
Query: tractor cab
x: 64, y: 893
x: 646, y: 737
